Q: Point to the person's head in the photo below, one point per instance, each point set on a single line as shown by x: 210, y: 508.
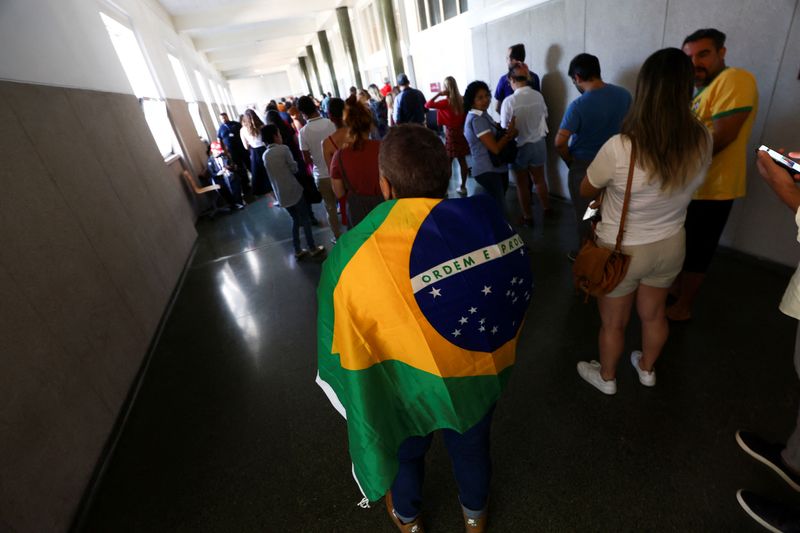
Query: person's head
x: 270, y: 134
x: 706, y: 49
x: 272, y: 105
x: 413, y: 163
x: 363, y: 96
x: 307, y: 107
x: 374, y: 92
x: 216, y: 148
x: 251, y: 122
x: 224, y: 117
x: 669, y: 140
x: 453, y: 95
x: 281, y: 107
x: 353, y: 90
x: 329, y: 94
x: 336, y: 110
x: 386, y: 81
x: 516, y: 54
x: 518, y: 76
x: 293, y: 112
x: 477, y: 96
x: 402, y: 80
x: 274, y: 117
x: 584, y: 68
x: 358, y: 121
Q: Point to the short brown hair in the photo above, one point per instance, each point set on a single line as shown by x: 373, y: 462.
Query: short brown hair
x: 414, y: 161
x: 358, y: 120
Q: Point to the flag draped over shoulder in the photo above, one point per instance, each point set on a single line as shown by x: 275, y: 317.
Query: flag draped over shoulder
x: 420, y: 306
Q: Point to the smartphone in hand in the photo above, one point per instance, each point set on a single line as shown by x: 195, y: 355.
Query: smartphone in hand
x: 789, y: 164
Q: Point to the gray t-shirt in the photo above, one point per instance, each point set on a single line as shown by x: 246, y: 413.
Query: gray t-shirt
x: 478, y: 123
x: 281, y: 168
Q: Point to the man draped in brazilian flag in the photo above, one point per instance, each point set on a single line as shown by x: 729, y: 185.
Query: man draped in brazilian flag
x: 420, y: 307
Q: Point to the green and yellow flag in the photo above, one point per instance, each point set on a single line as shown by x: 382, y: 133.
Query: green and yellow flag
x: 420, y: 307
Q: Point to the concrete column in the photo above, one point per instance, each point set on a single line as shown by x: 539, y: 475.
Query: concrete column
x: 304, y: 68
x: 386, y: 13
x: 343, y: 17
x: 326, y: 55
x: 313, y: 57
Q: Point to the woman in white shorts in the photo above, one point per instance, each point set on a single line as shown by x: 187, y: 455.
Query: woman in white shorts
x: 673, y: 152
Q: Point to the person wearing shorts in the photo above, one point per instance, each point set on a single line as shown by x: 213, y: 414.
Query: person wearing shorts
x: 726, y: 101
x: 528, y: 108
x: 665, y: 175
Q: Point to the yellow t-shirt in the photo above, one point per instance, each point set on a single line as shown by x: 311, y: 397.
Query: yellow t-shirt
x: 733, y: 90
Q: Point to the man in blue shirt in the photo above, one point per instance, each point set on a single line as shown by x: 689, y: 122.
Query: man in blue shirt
x: 228, y: 133
x: 591, y: 119
x: 410, y: 104
x: 515, y: 57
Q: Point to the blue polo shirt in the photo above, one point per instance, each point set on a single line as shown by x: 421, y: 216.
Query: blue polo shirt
x: 593, y: 118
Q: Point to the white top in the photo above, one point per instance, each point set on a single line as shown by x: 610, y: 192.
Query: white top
x: 790, y: 305
x: 653, y: 215
x: 249, y: 140
x: 312, y: 134
x: 528, y: 106
x: 281, y: 168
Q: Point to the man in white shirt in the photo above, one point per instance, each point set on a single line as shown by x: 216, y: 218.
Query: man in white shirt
x: 316, y: 130
x: 528, y: 106
x: 783, y: 460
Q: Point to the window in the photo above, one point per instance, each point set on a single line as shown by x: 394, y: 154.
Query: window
x: 188, y: 96
x: 143, y: 83
x: 432, y: 12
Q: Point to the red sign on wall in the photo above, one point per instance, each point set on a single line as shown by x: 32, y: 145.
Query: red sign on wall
x: 436, y: 87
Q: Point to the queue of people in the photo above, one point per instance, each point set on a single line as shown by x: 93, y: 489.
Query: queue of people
x: 662, y: 167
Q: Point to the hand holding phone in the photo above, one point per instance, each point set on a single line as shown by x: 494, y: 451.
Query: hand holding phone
x: 792, y: 166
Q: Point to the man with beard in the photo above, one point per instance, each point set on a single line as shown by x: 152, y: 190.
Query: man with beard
x: 726, y: 101
x: 590, y: 120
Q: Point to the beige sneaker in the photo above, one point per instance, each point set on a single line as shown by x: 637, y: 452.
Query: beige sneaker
x: 411, y: 527
x: 475, y: 525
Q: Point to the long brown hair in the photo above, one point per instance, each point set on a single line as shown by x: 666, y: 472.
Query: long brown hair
x: 359, y: 122
x: 669, y: 139
x: 252, y: 123
x: 453, y: 96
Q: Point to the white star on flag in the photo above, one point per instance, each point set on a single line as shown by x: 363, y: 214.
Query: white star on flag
x: 463, y: 320
x: 435, y: 292
x: 481, y: 328
x: 514, y: 280
x: 486, y: 290
x: 473, y: 310
x: 494, y: 330
x: 456, y: 333
x: 482, y: 320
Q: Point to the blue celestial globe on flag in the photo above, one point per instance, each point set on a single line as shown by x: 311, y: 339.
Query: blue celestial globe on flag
x: 470, y: 273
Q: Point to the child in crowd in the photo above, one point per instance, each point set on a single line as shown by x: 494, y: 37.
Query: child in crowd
x: 281, y: 169
x: 221, y: 172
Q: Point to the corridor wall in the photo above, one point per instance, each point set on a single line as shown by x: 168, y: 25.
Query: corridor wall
x: 95, y: 230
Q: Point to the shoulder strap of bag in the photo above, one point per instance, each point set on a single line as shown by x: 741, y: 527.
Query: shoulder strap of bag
x: 338, y: 157
x: 627, y: 201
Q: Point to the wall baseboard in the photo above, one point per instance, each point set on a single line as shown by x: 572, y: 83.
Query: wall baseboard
x: 85, y: 504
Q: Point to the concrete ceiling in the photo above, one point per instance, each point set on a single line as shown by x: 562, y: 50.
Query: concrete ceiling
x: 246, y: 38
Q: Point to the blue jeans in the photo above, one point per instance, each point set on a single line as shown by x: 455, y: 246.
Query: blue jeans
x: 299, y: 213
x: 496, y: 185
x: 472, y: 468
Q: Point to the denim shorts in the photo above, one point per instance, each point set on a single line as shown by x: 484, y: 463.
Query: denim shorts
x: 531, y: 155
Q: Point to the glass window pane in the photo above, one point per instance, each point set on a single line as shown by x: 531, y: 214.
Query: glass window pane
x: 183, y: 81
x: 423, y: 21
x: 450, y: 8
x: 194, y: 112
x: 434, y: 13
x: 464, y: 5
x: 155, y: 112
x: 131, y: 57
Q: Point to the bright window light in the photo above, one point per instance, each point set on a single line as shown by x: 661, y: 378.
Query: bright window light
x: 142, y: 82
x: 188, y: 96
x: 194, y: 112
x: 201, y: 82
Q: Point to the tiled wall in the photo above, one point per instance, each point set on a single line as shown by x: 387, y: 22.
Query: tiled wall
x: 94, y: 233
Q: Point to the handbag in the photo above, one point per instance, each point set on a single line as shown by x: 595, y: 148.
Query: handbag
x: 597, y: 270
x: 508, y: 154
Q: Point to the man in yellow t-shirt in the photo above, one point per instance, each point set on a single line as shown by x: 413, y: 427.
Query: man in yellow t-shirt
x: 726, y: 101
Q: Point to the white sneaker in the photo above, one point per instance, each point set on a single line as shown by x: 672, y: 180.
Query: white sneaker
x: 591, y: 373
x: 648, y: 379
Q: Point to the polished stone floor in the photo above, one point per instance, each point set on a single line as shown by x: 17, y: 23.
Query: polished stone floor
x: 229, y: 432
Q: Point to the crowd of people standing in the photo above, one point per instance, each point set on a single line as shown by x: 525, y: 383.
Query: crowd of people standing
x: 662, y: 167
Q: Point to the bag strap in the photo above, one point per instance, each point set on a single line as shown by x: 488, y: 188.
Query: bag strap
x: 627, y: 201
x: 338, y: 157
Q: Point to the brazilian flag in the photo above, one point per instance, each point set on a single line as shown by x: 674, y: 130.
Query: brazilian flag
x: 420, y: 307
